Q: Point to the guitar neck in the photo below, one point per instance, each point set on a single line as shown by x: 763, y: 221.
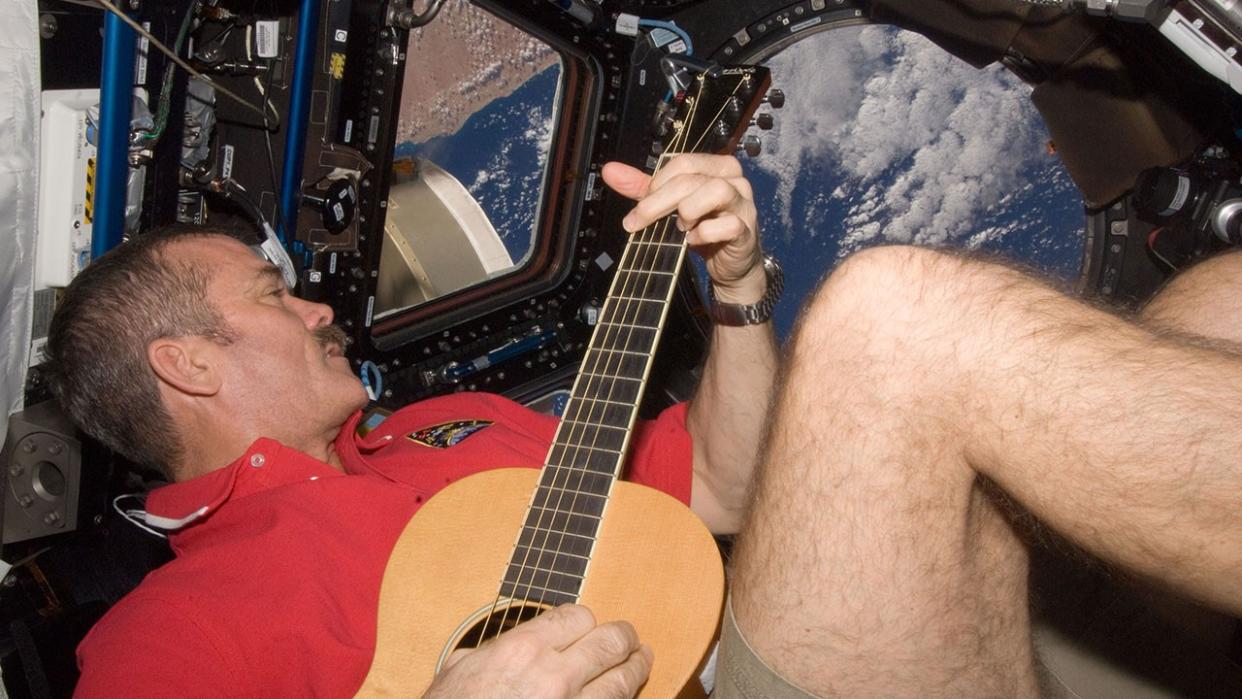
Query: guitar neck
x: 588, y: 451
x: 555, y: 545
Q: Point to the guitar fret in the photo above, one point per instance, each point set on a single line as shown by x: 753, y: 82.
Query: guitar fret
x: 652, y: 256
x: 625, y: 363
x: 564, y: 554
x: 571, y: 503
x: 577, y: 502
x: 555, y: 521
x: 615, y: 388
x: 565, y: 541
x: 541, y: 560
x: 556, y: 512
x: 599, y: 461
x: 641, y: 336
x: 602, y: 409
x: 536, y: 593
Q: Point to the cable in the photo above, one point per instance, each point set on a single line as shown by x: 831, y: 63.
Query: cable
x: 372, y: 379
x: 131, y: 516
x: 165, y: 99
x: 267, y: 140
x: 107, y: 4
x: 1151, y: 247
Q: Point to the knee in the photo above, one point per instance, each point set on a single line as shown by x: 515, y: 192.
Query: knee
x: 1204, y: 300
x: 892, y: 290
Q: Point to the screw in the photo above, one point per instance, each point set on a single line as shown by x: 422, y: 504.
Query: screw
x: 47, y: 26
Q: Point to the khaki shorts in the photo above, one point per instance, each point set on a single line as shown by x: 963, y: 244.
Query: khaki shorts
x: 741, y: 674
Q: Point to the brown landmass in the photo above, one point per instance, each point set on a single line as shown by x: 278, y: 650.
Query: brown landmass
x: 458, y: 64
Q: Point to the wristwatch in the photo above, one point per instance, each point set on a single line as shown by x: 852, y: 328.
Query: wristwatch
x: 738, y: 314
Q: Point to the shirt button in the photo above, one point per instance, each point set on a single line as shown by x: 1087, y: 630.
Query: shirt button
x: 257, y: 460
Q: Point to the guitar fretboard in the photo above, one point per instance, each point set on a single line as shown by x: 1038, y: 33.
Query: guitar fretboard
x: 551, y: 556
x: 553, y: 550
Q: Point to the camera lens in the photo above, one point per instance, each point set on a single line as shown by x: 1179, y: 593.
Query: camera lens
x: 1227, y: 221
x: 1162, y: 192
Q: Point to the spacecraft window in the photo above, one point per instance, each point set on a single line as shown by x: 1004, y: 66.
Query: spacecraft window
x: 478, y: 107
x: 887, y: 138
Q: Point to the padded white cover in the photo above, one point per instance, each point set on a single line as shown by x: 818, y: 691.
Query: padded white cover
x: 19, y: 177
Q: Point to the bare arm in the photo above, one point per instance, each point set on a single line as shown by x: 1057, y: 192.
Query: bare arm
x: 714, y: 205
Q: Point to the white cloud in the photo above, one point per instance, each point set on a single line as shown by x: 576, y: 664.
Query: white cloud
x: 924, y: 143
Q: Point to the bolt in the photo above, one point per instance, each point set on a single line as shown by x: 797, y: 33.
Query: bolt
x: 55, y: 449
x: 25, y: 500
x: 52, y: 519
x: 16, y: 470
x: 47, y: 26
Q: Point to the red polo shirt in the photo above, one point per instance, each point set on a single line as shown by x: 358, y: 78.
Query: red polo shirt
x: 279, y: 557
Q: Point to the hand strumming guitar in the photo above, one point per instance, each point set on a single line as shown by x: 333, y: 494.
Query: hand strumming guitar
x: 562, y: 653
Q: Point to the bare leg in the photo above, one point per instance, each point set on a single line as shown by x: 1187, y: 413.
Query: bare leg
x: 873, y: 563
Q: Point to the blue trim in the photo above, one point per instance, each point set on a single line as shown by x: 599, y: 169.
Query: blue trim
x: 116, y: 102
x: 297, y: 118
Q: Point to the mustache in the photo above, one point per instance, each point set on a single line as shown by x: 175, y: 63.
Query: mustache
x: 330, y: 335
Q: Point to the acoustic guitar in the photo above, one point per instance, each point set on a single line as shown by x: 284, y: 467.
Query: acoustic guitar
x: 500, y: 547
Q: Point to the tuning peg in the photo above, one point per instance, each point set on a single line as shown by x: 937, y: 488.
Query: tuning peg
x: 775, y: 97
x: 764, y: 121
x: 751, y: 145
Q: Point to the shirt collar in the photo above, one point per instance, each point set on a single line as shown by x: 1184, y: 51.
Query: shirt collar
x: 265, y: 465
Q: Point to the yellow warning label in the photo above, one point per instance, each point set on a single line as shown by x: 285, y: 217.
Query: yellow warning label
x: 337, y: 65
x: 88, y: 200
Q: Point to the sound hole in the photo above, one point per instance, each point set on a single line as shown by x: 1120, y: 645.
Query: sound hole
x: 496, y: 623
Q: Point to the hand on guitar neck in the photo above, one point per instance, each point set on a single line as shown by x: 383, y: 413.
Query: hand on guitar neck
x: 562, y: 653
x: 714, y: 206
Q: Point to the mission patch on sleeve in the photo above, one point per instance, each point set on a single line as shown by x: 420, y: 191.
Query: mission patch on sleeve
x: 447, y: 434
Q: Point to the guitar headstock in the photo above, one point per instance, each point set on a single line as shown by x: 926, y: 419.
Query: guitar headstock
x: 713, y: 109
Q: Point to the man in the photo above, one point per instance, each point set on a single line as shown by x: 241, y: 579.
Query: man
x: 877, y: 558
x: 190, y: 353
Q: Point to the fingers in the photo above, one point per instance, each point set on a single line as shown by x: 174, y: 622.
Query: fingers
x: 625, y: 180
x: 716, y: 230
x: 606, y: 647
x: 695, y: 199
x: 559, y: 627
x: 622, y: 681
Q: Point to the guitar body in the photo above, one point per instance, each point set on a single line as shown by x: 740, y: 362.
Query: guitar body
x: 655, y: 565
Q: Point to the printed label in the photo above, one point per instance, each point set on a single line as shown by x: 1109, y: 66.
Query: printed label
x: 226, y: 162
x: 267, y: 38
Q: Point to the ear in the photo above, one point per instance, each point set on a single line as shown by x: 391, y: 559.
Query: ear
x: 186, y: 364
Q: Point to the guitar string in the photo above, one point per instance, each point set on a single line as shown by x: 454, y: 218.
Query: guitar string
x: 567, y: 456
x: 646, y: 248
x: 644, y: 244
x: 653, y: 240
x: 644, y: 277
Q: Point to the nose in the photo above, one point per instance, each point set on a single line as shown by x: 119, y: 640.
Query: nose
x: 314, y: 315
